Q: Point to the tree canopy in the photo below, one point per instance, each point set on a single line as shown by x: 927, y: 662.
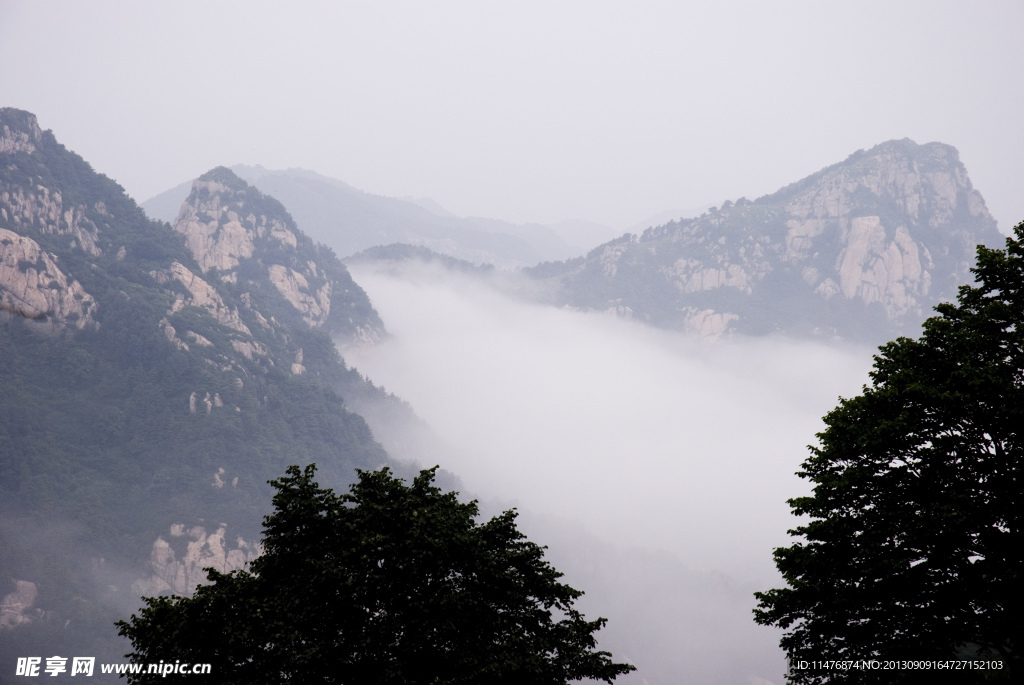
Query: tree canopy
x: 390, y: 583
x: 914, y: 541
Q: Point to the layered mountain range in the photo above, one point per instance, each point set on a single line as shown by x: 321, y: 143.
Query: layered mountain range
x: 862, y: 249
x: 154, y: 378
x: 155, y: 374
x: 349, y: 220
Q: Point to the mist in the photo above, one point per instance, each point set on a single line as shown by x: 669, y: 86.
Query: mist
x: 647, y: 437
x: 655, y: 465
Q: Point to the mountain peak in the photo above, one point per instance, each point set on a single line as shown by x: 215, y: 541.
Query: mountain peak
x: 242, y: 237
x: 19, y: 131
x: 224, y: 176
x: 863, y: 248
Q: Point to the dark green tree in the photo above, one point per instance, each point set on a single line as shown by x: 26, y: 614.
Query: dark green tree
x: 914, y: 542
x: 387, y: 584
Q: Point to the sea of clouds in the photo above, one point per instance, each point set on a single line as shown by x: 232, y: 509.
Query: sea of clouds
x: 656, y: 466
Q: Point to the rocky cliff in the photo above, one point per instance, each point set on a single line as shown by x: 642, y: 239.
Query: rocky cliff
x: 16, y: 607
x: 34, y: 288
x: 202, y: 550
x: 153, y: 376
x: 864, y: 248
x: 243, y: 238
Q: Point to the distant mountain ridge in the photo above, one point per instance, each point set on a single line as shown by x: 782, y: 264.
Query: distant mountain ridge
x: 349, y: 220
x: 398, y: 253
x: 862, y: 249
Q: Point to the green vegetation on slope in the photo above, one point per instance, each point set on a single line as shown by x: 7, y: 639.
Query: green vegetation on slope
x: 154, y: 412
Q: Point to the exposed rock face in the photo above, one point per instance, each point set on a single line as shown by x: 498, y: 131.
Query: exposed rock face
x: 203, y: 295
x: 249, y: 349
x: 314, y: 307
x: 707, y: 322
x: 869, y: 245
x: 40, y: 211
x: 22, y: 139
x: 207, y: 403
x: 35, y: 225
x: 204, y: 550
x: 214, y: 234
x: 14, y: 608
x: 234, y: 231
x: 874, y: 268
x: 34, y: 207
x: 692, y: 277
x: 32, y: 286
x: 926, y: 189
x: 219, y: 237
x: 297, y: 368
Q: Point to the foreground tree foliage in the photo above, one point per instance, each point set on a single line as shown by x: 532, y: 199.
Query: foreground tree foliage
x: 387, y: 584
x: 914, y: 547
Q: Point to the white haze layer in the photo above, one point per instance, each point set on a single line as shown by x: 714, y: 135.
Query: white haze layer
x: 648, y: 438
x: 655, y: 466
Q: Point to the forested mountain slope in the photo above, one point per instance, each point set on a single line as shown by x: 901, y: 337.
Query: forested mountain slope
x: 862, y: 249
x: 152, y: 379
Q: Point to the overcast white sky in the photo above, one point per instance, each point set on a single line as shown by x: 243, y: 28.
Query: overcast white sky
x: 526, y: 111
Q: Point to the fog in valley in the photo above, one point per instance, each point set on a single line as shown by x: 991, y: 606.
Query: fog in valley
x: 655, y: 465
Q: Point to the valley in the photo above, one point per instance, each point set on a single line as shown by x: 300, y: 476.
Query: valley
x: 645, y: 405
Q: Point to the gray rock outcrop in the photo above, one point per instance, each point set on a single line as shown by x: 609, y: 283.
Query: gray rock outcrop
x: 863, y: 248
x: 235, y: 232
x: 33, y: 286
x: 202, y: 550
x: 34, y: 207
x: 202, y: 295
x: 14, y: 608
